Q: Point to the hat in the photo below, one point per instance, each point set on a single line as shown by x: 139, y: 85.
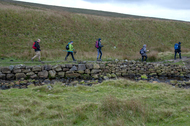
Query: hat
x: 99, y: 39
x: 179, y: 43
x: 71, y: 41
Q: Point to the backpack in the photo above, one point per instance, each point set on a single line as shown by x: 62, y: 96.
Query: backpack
x: 67, y: 46
x: 141, y: 51
x: 176, y: 46
x: 34, y: 47
x: 96, y: 45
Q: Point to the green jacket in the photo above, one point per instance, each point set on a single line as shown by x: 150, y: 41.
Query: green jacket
x: 70, y: 48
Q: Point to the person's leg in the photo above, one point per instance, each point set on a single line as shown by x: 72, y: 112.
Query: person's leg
x: 175, y: 54
x: 100, y: 53
x: 39, y: 55
x: 67, y: 55
x: 72, y: 56
x: 145, y: 58
x: 35, y: 55
x: 142, y: 58
x: 179, y: 54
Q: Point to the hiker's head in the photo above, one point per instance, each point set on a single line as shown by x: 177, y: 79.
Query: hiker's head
x: 99, y: 39
x: 179, y: 43
x: 38, y: 40
x: 71, y: 42
x: 144, y: 45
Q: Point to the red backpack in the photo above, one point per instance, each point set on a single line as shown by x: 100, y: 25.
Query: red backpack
x: 34, y: 45
x: 96, y: 45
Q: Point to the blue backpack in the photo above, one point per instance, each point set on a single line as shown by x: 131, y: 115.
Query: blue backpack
x: 141, y: 51
x: 176, y: 46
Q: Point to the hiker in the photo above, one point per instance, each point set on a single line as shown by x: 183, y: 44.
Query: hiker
x: 36, y: 46
x: 70, y: 50
x: 143, y: 53
x: 99, y: 46
x: 177, y: 48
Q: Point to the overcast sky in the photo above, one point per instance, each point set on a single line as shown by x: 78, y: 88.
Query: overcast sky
x: 169, y: 9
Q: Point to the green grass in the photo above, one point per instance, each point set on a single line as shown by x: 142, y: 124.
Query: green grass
x: 118, y: 102
x: 21, y: 25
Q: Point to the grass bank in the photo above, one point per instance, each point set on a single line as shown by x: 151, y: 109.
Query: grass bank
x: 116, y: 103
x: 21, y: 25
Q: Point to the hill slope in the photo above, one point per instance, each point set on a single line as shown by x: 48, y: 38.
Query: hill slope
x: 21, y: 25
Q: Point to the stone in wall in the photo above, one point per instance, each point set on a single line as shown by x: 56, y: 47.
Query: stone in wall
x: 87, y: 71
x: 20, y: 75
x: 95, y: 76
x: 2, y: 76
x: 65, y: 69
x: 89, y: 66
x: 43, y: 74
x: 6, y: 70
x: 37, y: 68
x: 74, y: 68
x: 17, y: 71
x: 52, y: 73
x: 34, y: 76
x: 11, y: 67
x: 68, y: 65
x: 61, y: 74
x: 57, y: 68
x: 96, y: 66
x: 10, y: 76
x: 102, y: 66
x: 26, y: 70
x: 71, y: 74
x: 48, y: 67
x: 81, y: 67
x: 95, y: 71
x: 81, y: 72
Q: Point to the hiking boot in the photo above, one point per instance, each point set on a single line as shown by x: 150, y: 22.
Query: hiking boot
x: 74, y: 60
x: 41, y: 61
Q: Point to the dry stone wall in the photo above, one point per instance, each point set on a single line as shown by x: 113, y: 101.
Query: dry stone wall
x: 87, y: 70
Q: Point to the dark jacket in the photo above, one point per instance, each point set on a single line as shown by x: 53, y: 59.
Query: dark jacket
x: 37, y: 46
x: 99, y: 45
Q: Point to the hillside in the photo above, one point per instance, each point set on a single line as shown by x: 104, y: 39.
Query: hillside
x: 22, y: 24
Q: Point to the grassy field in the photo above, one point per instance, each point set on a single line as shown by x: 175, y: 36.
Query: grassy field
x: 112, y: 103
x: 21, y: 25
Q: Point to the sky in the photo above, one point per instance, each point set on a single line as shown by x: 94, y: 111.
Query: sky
x: 169, y: 9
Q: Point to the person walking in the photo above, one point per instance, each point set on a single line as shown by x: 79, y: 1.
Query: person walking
x: 177, y: 48
x: 99, y: 47
x: 143, y: 53
x: 36, y: 46
x: 70, y: 51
